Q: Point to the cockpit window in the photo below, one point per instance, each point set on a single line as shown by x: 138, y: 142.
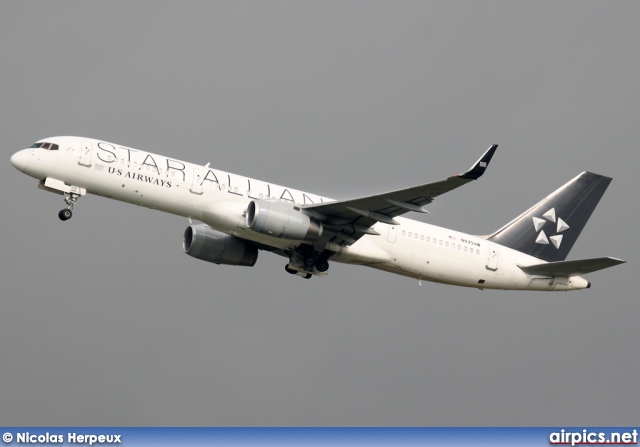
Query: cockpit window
x: 47, y: 146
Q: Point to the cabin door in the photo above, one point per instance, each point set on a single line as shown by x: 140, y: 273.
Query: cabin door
x: 86, y: 153
x: 494, y: 254
x: 196, y: 186
x: 393, y: 233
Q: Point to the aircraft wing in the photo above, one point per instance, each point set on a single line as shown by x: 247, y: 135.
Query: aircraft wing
x: 571, y: 268
x: 350, y: 219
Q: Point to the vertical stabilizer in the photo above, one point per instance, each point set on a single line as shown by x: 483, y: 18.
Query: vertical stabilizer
x: 549, y: 229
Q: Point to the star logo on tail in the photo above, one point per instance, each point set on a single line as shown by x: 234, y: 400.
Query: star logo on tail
x: 561, y: 225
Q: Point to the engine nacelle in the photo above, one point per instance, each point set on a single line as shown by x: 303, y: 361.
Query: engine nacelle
x: 205, y: 243
x: 281, y: 219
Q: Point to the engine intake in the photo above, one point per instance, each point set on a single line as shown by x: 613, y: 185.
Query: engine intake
x: 204, y: 243
x: 281, y: 219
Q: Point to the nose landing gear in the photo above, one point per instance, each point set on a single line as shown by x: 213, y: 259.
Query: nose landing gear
x: 71, y: 194
x: 70, y: 200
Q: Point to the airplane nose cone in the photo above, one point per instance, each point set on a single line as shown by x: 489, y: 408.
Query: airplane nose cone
x: 19, y: 160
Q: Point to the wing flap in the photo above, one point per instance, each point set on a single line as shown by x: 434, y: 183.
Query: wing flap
x: 571, y: 268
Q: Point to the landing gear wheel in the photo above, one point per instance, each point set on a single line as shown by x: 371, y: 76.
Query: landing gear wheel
x: 308, y: 276
x: 65, y: 214
x: 322, y: 265
x: 293, y: 272
x: 309, y: 261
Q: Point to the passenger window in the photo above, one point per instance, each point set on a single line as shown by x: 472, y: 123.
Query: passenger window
x: 409, y: 234
x: 459, y: 247
x: 446, y: 244
x: 428, y: 239
x: 440, y: 242
x: 477, y: 252
x: 465, y: 248
x: 404, y: 233
x: 422, y: 237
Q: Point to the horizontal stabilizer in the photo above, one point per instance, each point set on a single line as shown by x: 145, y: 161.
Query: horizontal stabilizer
x: 571, y: 268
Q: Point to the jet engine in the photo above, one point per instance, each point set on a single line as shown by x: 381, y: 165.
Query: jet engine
x: 282, y: 219
x: 205, y: 243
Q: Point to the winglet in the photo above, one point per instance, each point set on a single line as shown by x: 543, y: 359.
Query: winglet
x: 480, y: 166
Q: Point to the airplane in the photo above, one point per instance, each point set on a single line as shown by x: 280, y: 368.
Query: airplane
x: 240, y: 216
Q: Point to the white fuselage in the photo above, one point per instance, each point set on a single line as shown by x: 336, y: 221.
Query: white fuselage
x: 220, y: 199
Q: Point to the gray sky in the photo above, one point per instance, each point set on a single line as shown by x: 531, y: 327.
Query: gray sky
x: 104, y: 321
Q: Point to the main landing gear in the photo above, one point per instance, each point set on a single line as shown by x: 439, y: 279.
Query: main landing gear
x: 306, y: 262
x: 70, y: 200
